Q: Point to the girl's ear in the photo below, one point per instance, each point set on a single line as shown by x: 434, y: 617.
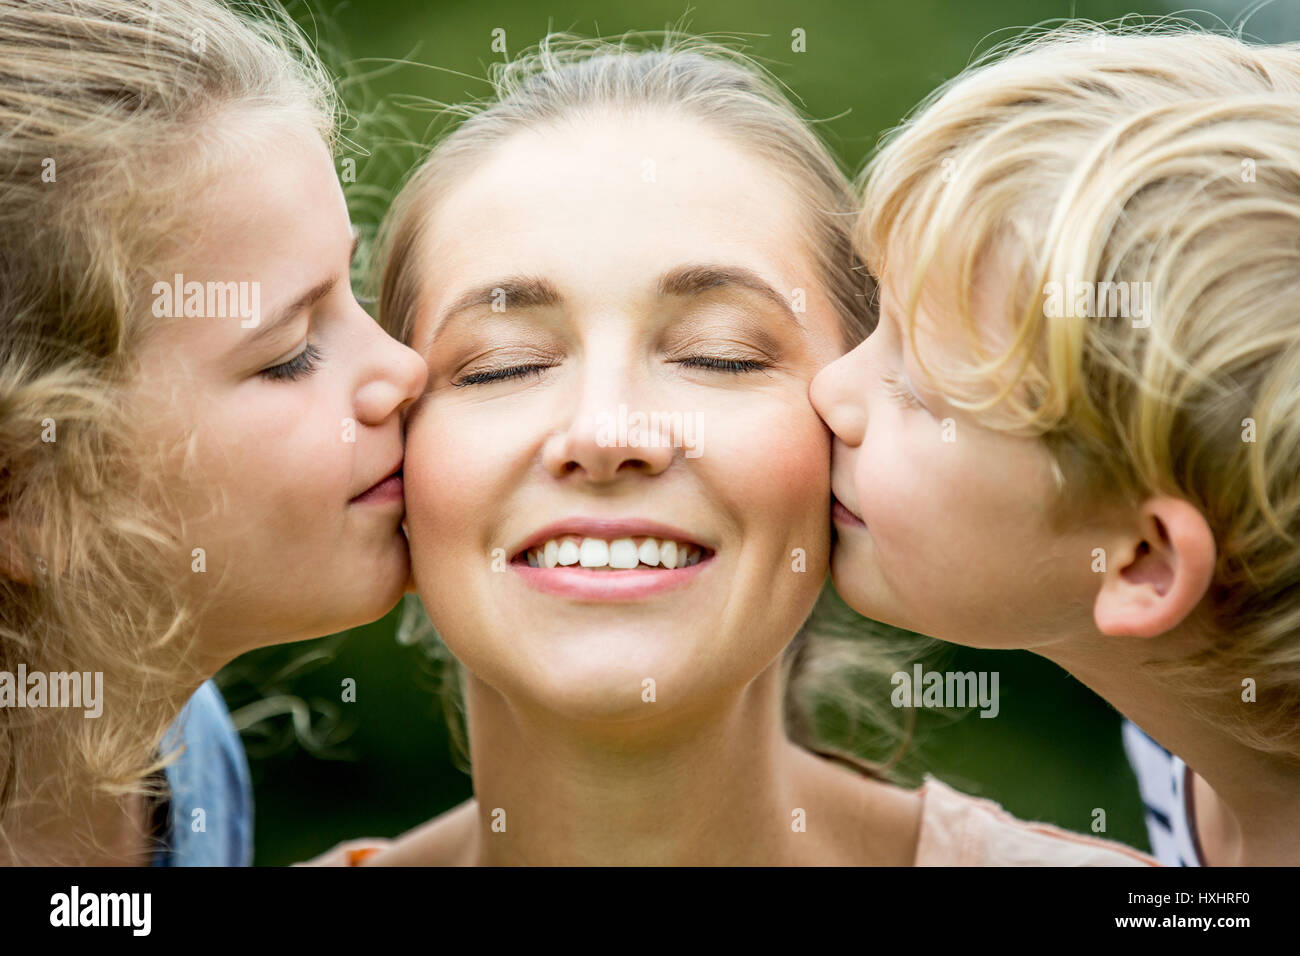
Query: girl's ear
x: 1158, y: 573
x: 16, y: 566
x: 12, y: 564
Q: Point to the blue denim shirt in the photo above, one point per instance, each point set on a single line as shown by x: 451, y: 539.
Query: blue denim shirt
x: 210, y: 811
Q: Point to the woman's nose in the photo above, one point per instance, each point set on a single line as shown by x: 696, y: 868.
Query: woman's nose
x: 611, y: 432
x: 839, y: 395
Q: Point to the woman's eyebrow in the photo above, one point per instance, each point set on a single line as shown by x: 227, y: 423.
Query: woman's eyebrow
x: 524, y: 292
x: 692, y: 280
x: 516, y: 292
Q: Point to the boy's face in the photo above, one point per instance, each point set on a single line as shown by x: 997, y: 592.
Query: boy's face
x: 943, y: 522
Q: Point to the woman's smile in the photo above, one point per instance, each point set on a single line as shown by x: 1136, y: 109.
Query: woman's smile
x: 601, y: 559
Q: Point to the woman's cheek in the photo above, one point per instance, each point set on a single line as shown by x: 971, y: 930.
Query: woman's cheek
x: 777, y: 465
x: 428, y: 475
x: 455, y: 463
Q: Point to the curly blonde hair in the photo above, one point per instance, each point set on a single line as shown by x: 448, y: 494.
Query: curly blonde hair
x: 109, y: 118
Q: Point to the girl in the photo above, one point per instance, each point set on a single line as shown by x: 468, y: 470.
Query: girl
x: 202, y: 440
x: 623, y: 274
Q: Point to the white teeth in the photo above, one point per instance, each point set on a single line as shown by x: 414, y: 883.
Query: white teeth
x: 619, y: 554
x: 668, y: 554
x: 623, y: 553
x: 594, y: 553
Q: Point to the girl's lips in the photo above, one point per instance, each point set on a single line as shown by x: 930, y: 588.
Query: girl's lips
x: 595, y: 585
x: 842, y: 515
x: 386, y: 491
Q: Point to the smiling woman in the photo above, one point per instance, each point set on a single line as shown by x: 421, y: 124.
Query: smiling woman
x: 623, y: 604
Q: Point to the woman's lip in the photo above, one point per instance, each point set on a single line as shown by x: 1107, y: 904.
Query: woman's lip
x: 597, y: 586
x: 608, y: 529
x: 388, y: 490
x: 843, y: 515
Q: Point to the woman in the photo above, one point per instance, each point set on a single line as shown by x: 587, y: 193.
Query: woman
x: 202, y: 432
x: 623, y: 274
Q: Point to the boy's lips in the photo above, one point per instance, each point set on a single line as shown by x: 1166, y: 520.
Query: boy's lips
x: 841, y: 514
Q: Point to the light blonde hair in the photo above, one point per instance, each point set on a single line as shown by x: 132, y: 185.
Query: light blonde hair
x: 113, y: 117
x: 567, y: 78
x: 1156, y: 153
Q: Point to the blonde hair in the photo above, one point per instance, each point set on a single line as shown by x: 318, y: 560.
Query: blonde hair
x: 1163, y: 159
x: 110, y: 124
x: 567, y: 77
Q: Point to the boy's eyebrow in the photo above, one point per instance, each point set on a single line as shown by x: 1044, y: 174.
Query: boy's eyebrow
x: 522, y: 292
x: 305, y: 301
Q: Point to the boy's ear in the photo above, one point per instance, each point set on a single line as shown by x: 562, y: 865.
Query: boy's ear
x: 1157, y: 573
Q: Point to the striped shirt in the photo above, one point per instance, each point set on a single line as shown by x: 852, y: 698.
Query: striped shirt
x: 1165, y: 783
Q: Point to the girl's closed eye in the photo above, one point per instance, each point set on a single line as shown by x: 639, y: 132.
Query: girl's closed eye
x: 300, y: 366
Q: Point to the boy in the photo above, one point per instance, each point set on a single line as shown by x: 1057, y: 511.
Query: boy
x: 1077, y: 427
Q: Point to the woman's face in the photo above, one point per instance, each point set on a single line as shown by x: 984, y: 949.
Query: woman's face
x: 617, y: 373
x: 292, y: 415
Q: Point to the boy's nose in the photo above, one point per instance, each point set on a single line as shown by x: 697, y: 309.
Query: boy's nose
x: 838, y: 393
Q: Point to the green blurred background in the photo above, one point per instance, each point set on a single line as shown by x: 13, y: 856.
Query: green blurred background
x: 326, y: 771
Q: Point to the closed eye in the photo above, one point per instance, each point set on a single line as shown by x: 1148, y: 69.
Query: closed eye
x: 724, y: 364
x: 300, y: 366
x: 901, y: 392
x: 499, y: 375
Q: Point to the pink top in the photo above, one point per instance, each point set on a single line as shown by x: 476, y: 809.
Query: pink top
x: 961, y: 830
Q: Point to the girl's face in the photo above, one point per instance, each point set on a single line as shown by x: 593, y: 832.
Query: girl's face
x: 617, y: 374
x: 285, y: 425
x: 942, y: 522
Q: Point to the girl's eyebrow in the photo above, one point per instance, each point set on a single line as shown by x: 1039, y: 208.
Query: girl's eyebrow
x: 305, y: 301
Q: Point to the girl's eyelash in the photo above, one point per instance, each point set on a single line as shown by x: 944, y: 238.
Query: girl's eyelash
x: 724, y: 364
x: 300, y: 366
x: 499, y: 375
x: 900, y: 392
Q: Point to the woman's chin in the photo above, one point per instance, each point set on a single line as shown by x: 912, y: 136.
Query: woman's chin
x: 606, y: 687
